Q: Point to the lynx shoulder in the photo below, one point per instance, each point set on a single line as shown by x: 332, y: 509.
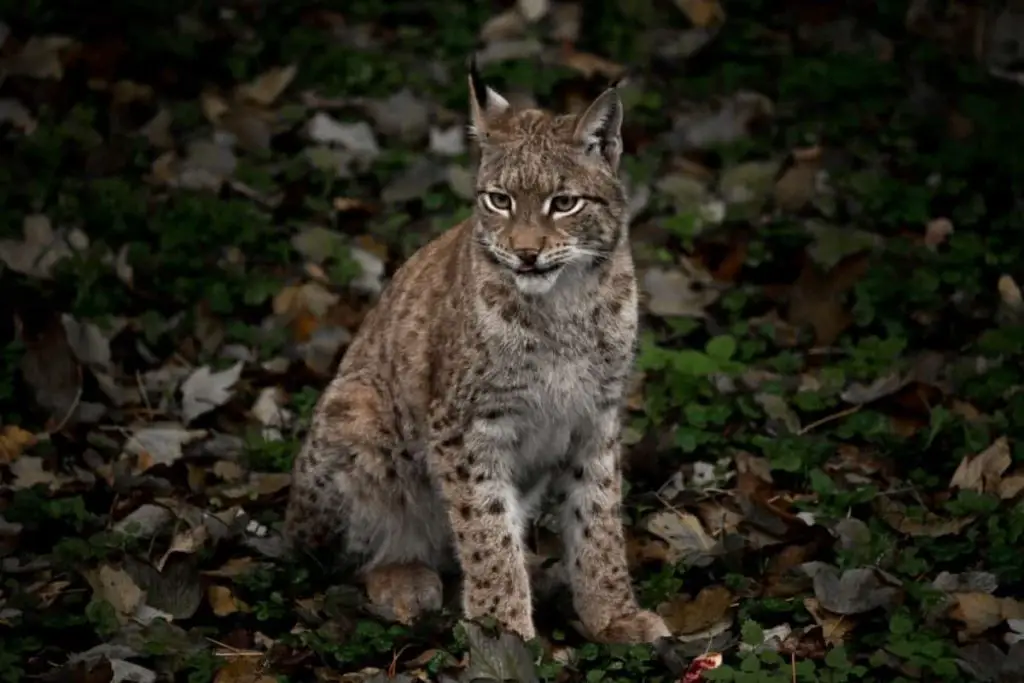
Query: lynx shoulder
x: 489, y: 378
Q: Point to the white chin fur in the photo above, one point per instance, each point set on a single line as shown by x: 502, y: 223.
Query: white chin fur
x: 536, y: 284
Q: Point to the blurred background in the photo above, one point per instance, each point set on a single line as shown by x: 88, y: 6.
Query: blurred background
x: 199, y: 201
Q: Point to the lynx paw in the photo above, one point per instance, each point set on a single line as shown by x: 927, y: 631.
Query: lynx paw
x: 402, y: 592
x: 640, y: 626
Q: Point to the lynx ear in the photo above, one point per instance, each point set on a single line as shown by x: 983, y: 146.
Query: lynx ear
x: 484, y: 102
x: 599, y: 128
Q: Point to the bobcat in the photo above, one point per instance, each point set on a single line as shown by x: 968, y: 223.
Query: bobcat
x: 490, y: 374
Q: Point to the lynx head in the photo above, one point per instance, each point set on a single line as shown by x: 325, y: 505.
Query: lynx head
x: 548, y: 196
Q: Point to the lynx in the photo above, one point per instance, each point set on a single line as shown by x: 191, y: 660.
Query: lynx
x: 488, y: 378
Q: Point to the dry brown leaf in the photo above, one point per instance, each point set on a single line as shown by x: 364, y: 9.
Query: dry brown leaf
x: 591, y: 65
x: 684, y: 534
x: 115, y: 586
x: 703, y: 13
x: 244, y: 670
x: 816, y: 298
x: 232, y: 568
x: 229, y: 470
x: 1011, y: 486
x: 188, y: 542
x: 267, y: 87
x: 684, y: 616
x: 937, y: 231
x: 718, y: 519
x: 981, y: 611
x: 834, y: 627
x: 50, y: 591
x: 983, y: 472
x: 752, y: 472
x: 39, y: 58
x: 798, y: 184
x: 223, y: 602
x: 1009, y: 291
x: 13, y: 441
x: 929, y: 524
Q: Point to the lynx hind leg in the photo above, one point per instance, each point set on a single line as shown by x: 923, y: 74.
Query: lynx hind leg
x: 352, y: 484
x: 312, y: 519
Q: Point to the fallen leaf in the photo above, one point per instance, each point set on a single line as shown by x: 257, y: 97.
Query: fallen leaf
x: 497, y: 659
x: 449, y: 142
x: 29, y: 471
x: 533, y: 10
x: 686, y: 291
x: 685, y: 616
x: 267, y: 87
x: 817, y: 298
x: 117, y: 587
x: 14, y: 112
x: 746, y: 187
x: 1010, y: 292
x: 853, y: 591
x: 799, y: 183
x: 41, y: 247
x: 966, y: 582
x: 702, y: 13
x: 921, y: 523
x: 204, y: 390
x: 591, y: 65
x: 834, y: 627
x: 937, y: 231
x: 244, y: 670
x: 357, y: 138
x: 685, y: 535
x: 207, y: 164
x: 414, y: 181
x: 981, y: 611
x: 719, y: 123
x: 39, y: 58
x: 187, y: 542
x: 270, y: 411
x: 223, y: 602
x: 89, y: 343
x: 833, y: 243
x: 402, y: 114
x: 1011, y: 486
x: 160, y: 444
x: 778, y: 409
x: 236, y: 566
x: 13, y: 442
x: 145, y: 521
x: 123, y: 670
x: 983, y: 472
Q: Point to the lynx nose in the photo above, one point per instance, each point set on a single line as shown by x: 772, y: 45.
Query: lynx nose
x: 528, y: 256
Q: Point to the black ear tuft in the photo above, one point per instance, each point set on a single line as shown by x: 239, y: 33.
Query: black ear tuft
x: 477, y: 81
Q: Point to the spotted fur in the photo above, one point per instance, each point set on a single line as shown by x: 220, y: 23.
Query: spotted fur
x: 489, y: 376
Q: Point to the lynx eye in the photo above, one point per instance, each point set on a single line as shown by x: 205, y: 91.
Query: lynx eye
x: 499, y: 202
x: 564, y: 203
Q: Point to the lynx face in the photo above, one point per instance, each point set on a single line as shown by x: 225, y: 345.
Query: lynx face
x: 548, y: 198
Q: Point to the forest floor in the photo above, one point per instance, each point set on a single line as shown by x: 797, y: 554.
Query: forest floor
x: 198, y: 203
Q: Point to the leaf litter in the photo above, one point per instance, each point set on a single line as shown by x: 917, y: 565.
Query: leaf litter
x: 836, y: 390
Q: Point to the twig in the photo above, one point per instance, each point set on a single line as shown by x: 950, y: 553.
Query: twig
x: 233, y: 651
x: 143, y: 394
x: 829, y: 418
x: 73, y: 408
